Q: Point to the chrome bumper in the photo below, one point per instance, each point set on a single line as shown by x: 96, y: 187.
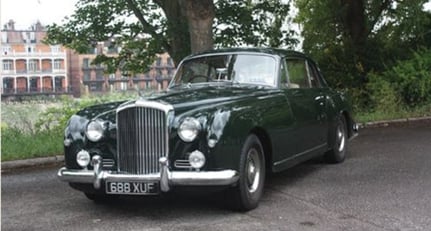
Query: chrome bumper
x: 166, y: 177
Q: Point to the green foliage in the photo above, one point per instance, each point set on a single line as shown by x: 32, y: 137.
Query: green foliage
x: 390, y: 31
x: 383, y: 96
x: 28, y: 130
x: 403, y: 90
x: 17, y: 144
x: 240, y: 23
x: 144, y: 28
x: 410, y: 79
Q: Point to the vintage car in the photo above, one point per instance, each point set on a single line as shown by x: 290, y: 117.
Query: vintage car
x: 227, y: 118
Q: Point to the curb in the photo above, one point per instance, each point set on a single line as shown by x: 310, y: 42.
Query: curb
x: 30, y: 163
x: 44, y: 161
x: 386, y: 123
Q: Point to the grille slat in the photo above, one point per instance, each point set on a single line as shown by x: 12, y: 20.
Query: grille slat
x: 142, y: 139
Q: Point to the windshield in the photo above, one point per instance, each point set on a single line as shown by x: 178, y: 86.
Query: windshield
x: 235, y: 68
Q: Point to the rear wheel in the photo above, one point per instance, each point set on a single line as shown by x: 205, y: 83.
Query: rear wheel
x: 249, y: 190
x: 337, y: 154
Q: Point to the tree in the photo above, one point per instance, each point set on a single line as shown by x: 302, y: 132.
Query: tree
x: 143, y: 28
x: 350, y: 38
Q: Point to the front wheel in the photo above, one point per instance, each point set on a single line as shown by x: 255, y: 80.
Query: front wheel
x: 337, y: 153
x: 249, y: 190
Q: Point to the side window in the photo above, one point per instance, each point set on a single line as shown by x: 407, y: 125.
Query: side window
x: 314, y: 76
x: 283, y: 76
x: 298, y: 73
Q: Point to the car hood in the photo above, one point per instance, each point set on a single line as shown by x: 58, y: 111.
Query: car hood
x: 187, y: 99
x: 183, y: 99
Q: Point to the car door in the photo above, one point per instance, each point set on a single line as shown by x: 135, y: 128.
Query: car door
x: 307, y: 103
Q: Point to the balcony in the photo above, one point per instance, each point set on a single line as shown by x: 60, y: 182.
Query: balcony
x: 32, y: 72
x: 35, y: 91
x: 40, y: 54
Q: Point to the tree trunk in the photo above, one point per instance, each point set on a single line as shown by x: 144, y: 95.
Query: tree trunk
x: 355, y: 24
x: 200, y: 16
x: 177, y: 30
x: 355, y: 21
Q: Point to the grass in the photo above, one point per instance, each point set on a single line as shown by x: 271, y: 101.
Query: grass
x: 16, y: 144
x: 363, y: 117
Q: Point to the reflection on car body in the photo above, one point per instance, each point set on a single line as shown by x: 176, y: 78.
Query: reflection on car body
x: 227, y: 118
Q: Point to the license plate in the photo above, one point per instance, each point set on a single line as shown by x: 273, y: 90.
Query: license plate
x: 132, y: 188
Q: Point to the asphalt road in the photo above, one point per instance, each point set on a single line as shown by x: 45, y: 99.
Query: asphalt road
x: 385, y: 184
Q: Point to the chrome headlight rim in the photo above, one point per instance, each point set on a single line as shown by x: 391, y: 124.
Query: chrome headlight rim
x: 83, y: 158
x: 189, y: 129
x: 94, y: 130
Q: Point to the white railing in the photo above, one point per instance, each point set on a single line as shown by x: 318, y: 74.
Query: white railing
x: 14, y: 54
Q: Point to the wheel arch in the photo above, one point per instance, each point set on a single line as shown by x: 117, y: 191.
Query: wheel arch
x: 349, y: 122
x: 265, y: 140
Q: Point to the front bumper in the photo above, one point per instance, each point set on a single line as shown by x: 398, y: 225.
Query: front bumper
x: 166, y: 177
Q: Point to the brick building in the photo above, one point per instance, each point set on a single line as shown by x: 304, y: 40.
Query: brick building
x: 30, y: 67
x: 94, y: 79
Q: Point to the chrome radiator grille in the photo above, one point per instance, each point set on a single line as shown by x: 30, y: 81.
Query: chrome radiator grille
x: 142, y: 139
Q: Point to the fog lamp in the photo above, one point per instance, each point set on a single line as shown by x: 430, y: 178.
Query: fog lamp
x: 83, y: 158
x: 197, y: 159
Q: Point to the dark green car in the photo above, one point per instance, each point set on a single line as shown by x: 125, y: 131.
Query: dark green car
x: 227, y: 118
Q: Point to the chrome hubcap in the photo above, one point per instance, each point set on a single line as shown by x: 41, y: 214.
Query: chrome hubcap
x: 341, y: 138
x: 252, y: 171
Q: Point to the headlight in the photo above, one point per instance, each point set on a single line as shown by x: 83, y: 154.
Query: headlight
x: 189, y: 129
x: 94, y: 130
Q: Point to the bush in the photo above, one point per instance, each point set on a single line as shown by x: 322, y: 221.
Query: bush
x: 411, y: 79
x: 384, y: 98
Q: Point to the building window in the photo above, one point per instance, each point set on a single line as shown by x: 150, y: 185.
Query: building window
x: 86, y: 63
x: 99, y: 75
x: 87, y: 75
x: 159, y: 62
x: 112, y: 76
x: 159, y: 73
x: 57, y: 64
x: 170, y: 62
x: 58, y: 83
x: 169, y: 70
x: 30, y: 49
x: 32, y: 65
x: 7, y: 65
x: 32, y: 37
x: 33, y: 84
x: 8, y: 85
x: 6, y: 49
x: 55, y: 49
x: 4, y: 37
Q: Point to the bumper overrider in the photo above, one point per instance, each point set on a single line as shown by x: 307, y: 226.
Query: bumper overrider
x: 166, y: 178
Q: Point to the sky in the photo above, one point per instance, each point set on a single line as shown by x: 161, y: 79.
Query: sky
x: 27, y: 12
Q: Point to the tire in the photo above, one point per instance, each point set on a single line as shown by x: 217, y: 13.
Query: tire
x: 337, y: 153
x: 247, y: 193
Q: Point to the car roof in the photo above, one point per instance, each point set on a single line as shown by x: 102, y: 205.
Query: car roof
x: 271, y: 51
